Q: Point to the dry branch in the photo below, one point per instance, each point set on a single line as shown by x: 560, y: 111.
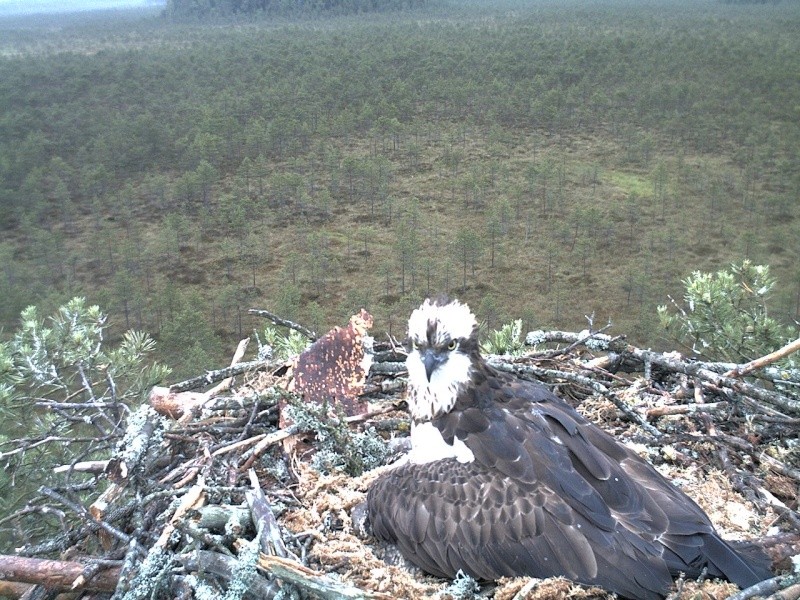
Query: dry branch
x: 225, y: 384
x: 311, y: 335
x: 56, y: 574
x: 313, y: 581
x: 221, y: 565
x: 768, y: 586
x: 218, y: 375
x: 268, y: 531
x: 759, y: 363
x: 686, y: 409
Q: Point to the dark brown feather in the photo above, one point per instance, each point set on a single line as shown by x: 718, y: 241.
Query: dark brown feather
x: 548, y: 494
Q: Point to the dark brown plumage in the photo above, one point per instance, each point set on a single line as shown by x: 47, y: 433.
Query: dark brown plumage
x: 548, y: 493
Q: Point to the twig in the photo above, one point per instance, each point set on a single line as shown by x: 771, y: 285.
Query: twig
x: 249, y: 457
x: 84, y: 514
x: 311, y: 335
x: 742, y: 370
x: 240, y: 444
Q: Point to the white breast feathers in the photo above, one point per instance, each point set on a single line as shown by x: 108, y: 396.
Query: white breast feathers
x: 428, y: 445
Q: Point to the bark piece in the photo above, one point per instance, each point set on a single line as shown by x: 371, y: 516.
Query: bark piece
x: 335, y: 367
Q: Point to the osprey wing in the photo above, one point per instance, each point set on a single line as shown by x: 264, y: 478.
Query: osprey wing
x: 447, y: 516
x: 521, y: 431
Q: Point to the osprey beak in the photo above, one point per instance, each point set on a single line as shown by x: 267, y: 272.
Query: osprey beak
x: 431, y: 360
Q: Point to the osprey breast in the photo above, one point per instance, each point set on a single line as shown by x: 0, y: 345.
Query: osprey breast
x: 428, y: 445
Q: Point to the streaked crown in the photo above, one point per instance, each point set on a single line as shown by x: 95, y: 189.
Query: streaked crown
x: 438, y: 321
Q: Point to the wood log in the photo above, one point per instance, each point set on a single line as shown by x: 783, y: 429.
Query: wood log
x: 175, y: 404
x: 55, y: 574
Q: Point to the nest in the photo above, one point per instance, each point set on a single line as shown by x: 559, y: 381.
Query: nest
x: 246, y: 491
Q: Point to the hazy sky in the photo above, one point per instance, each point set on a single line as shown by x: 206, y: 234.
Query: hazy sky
x: 35, y: 6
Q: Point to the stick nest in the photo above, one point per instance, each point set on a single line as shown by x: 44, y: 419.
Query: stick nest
x: 228, y: 496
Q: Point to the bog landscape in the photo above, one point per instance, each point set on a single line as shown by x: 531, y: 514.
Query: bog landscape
x: 541, y: 160
x: 558, y: 165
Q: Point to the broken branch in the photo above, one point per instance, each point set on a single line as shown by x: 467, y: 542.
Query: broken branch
x: 56, y: 574
x: 311, y: 335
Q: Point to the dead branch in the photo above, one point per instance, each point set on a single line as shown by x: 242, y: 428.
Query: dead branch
x: 768, y: 586
x: 686, y: 409
x: 56, y: 574
x: 192, y: 500
x: 213, y: 376
x: 88, y: 466
x: 741, y: 371
x: 677, y: 364
x: 215, y: 517
x: 597, y: 340
x: 779, y: 467
x: 311, y: 335
x: 239, y: 445
x: 225, y: 567
x: 268, y: 532
x: 84, y: 514
x: 313, y: 581
x: 225, y: 384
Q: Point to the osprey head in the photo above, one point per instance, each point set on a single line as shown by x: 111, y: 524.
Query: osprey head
x: 442, y: 335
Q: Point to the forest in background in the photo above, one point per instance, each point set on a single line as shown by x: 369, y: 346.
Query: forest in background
x: 302, y: 8
x: 539, y: 160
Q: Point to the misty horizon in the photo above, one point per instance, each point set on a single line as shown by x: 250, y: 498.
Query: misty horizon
x: 21, y: 7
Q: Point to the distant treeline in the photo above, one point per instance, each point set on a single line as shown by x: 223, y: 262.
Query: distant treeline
x: 182, y: 8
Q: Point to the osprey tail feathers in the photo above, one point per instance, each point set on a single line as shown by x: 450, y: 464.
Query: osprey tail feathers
x: 691, y: 554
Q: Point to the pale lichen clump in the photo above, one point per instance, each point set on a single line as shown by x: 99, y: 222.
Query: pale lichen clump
x: 244, y: 572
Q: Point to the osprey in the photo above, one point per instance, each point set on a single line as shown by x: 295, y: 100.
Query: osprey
x: 506, y: 479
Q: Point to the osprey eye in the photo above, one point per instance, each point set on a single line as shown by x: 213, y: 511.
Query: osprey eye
x: 452, y: 345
